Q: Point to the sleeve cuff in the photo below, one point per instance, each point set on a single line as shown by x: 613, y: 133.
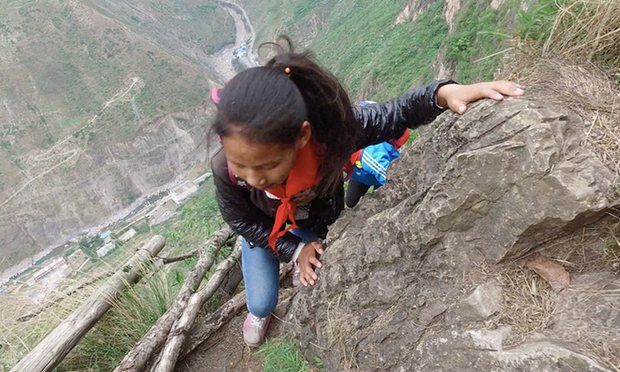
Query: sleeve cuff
x: 440, y: 84
x: 298, y: 250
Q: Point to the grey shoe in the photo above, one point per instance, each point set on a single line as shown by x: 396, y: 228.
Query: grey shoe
x: 255, y: 329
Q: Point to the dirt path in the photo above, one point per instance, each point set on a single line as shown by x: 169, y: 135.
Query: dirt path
x: 66, y: 149
x: 226, y: 351
x: 116, y: 97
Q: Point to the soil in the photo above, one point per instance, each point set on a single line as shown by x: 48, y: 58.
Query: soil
x: 226, y: 351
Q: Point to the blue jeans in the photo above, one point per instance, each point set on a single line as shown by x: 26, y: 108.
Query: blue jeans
x: 261, y: 270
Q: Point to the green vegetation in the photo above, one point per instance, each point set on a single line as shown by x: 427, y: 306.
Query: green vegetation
x: 480, y: 34
x: 282, y: 355
x: 301, y: 11
x: 359, y: 41
x: 272, y: 17
x: 69, y: 70
x: 138, y: 307
x: 378, y: 59
x: 90, y: 246
x: 129, y: 319
x: 574, y: 30
x: 536, y: 22
x: 375, y: 58
x: 212, y: 27
x: 203, y: 25
x: 199, y: 218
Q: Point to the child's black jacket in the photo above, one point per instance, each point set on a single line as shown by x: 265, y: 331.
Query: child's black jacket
x: 249, y: 211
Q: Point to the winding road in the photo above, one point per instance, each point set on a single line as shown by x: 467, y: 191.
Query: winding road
x: 249, y: 58
x: 220, y: 63
x: 62, y: 151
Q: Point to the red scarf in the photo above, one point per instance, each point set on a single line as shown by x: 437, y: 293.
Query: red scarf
x: 304, y: 175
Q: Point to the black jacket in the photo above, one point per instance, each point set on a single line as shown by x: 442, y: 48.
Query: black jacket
x: 249, y: 211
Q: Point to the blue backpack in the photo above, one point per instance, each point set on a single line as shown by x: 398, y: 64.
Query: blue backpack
x: 371, y: 168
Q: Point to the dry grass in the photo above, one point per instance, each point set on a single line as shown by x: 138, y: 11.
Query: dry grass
x: 593, y: 248
x: 606, y: 354
x: 585, y: 31
x: 24, y: 322
x: 129, y: 318
x: 19, y: 337
x: 612, y: 244
x: 584, y: 89
x: 528, y: 303
x: 575, y: 67
x: 339, y: 331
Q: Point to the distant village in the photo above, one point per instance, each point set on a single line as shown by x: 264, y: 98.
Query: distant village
x: 242, y: 56
x: 46, y: 278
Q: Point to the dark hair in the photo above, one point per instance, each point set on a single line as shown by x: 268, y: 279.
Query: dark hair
x: 270, y: 103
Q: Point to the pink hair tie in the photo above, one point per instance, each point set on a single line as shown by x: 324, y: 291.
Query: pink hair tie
x: 215, y: 95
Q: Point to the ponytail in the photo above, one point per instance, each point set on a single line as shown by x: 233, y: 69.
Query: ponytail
x: 328, y: 109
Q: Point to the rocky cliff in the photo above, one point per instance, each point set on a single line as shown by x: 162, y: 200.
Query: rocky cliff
x: 96, y: 112
x: 98, y: 185
x: 428, y: 274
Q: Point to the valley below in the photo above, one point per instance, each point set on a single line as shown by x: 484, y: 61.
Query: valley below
x: 146, y: 136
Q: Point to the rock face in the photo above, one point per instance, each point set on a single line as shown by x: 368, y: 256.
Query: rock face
x: 101, y: 182
x: 409, y: 277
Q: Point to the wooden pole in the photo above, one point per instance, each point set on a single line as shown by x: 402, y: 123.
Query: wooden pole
x: 169, y: 260
x: 58, y: 343
x: 140, y: 354
x: 181, y: 328
x: 214, y: 321
x: 61, y: 297
x: 203, y: 330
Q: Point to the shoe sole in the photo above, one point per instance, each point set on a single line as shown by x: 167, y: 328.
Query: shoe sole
x: 249, y: 344
x: 257, y: 344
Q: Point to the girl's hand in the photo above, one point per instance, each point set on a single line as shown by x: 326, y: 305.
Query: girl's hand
x: 307, y: 259
x: 456, y: 97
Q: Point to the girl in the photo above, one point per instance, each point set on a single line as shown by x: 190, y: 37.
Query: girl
x: 369, y: 167
x: 287, y: 129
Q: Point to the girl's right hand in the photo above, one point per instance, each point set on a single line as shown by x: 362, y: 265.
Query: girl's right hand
x: 456, y: 97
x: 306, y: 260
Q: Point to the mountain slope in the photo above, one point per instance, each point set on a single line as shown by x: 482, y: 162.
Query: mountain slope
x: 93, y: 115
x: 381, y: 48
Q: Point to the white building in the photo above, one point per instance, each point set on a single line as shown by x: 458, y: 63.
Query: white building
x: 127, y: 235
x: 106, y: 248
x: 200, y: 179
x: 181, y: 192
x: 57, y: 264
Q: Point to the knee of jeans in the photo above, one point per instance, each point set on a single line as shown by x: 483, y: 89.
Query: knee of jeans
x: 262, y: 307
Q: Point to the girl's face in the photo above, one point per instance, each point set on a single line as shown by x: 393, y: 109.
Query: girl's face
x: 262, y: 164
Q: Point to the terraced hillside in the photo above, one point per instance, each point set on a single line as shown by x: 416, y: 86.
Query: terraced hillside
x: 96, y: 111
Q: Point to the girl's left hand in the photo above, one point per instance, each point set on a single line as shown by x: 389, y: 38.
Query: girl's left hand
x: 306, y: 260
x: 456, y: 97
